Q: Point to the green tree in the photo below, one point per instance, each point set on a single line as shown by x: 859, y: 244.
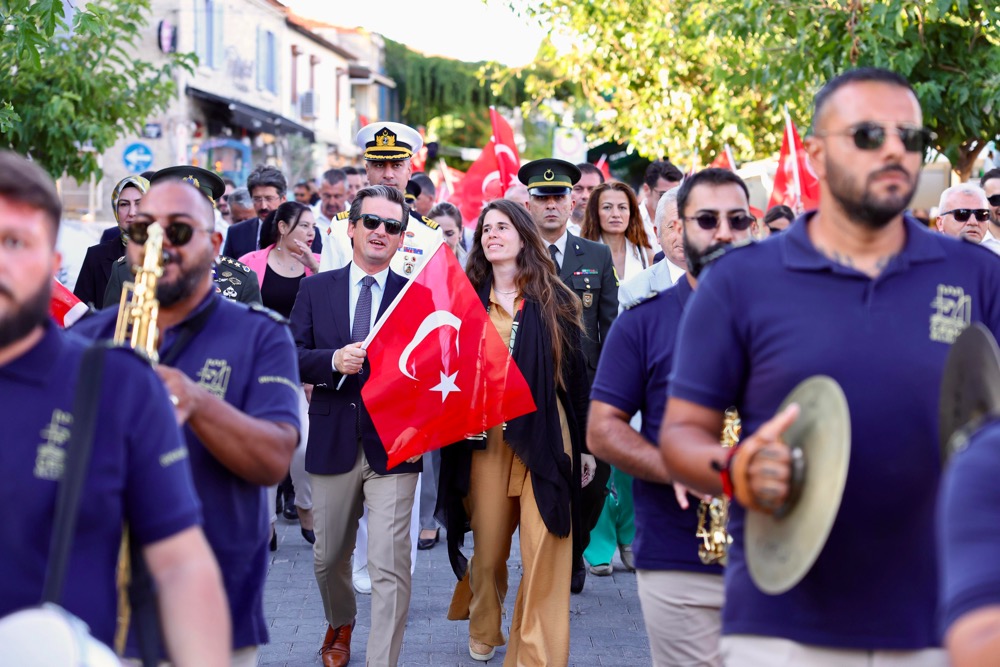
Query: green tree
x: 76, y: 86
x: 682, y: 77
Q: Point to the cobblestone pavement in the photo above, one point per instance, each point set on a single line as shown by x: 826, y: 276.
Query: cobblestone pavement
x: 606, y: 626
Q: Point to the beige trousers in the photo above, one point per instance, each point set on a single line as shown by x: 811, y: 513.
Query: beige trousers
x: 337, y: 506
x: 755, y: 651
x: 683, y: 616
x: 501, y: 499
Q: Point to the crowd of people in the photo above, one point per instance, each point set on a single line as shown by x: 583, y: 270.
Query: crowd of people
x: 637, y: 317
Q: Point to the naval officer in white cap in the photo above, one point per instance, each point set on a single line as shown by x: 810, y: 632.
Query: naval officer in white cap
x: 388, y: 148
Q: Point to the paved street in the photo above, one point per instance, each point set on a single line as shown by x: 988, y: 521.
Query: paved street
x: 606, y: 624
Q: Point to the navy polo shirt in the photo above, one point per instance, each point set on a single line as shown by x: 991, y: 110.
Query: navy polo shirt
x: 632, y: 376
x: 769, y: 315
x: 246, y: 358
x: 968, y: 540
x: 138, y: 474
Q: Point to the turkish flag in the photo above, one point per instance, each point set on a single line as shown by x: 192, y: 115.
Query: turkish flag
x: 64, y: 307
x: 447, y: 180
x: 491, y: 174
x: 795, y: 184
x: 724, y: 160
x: 439, y: 369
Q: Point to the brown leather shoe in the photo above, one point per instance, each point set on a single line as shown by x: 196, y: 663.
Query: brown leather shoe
x: 336, y: 650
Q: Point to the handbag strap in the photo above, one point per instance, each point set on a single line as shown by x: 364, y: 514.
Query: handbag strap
x: 81, y: 440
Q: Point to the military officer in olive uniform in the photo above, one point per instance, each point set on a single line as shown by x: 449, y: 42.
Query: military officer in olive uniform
x: 388, y: 148
x: 234, y: 280
x: 586, y: 267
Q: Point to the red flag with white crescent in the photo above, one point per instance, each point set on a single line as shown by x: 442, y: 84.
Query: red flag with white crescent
x: 440, y: 370
x: 795, y: 183
x: 491, y: 174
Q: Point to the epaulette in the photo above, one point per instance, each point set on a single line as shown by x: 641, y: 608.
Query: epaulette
x: 430, y: 223
x: 121, y: 260
x: 229, y: 261
x: 343, y: 215
x: 641, y: 300
x: 264, y: 310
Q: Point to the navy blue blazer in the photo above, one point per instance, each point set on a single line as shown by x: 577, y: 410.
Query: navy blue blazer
x: 321, y: 325
x: 241, y: 238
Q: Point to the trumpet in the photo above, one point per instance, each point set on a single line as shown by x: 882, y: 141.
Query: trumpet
x: 713, y: 515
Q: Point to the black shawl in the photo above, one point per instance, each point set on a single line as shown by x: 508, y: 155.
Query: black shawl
x: 536, y: 438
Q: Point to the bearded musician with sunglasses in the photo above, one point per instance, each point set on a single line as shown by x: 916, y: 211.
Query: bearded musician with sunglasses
x: 864, y: 294
x: 333, y: 314
x: 238, y: 404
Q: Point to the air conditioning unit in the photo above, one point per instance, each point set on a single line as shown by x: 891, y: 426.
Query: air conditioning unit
x: 308, y: 107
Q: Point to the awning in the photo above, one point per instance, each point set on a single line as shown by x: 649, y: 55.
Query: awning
x: 249, y: 117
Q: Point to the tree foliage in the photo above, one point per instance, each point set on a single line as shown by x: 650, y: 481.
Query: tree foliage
x: 682, y: 77
x: 69, y: 92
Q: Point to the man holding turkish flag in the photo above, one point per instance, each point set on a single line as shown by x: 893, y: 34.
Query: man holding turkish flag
x: 440, y: 371
x: 491, y: 174
x: 795, y: 184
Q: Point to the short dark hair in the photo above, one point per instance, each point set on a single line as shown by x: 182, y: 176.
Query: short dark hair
x: 709, y: 176
x: 378, y: 192
x: 989, y: 176
x: 333, y: 176
x: 265, y: 176
x: 24, y: 182
x: 448, y: 209
x: 304, y: 184
x: 351, y: 171
x: 778, y: 211
x: 425, y: 183
x: 228, y: 181
x: 289, y: 212
x: 859, y: 75
x: 587, y: 168
x: 662, y: 169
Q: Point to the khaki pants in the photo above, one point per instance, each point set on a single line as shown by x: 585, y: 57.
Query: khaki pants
x: 501, y: 499
x: 682, y: 612
x: 755, y: 651
x: 337, y: 506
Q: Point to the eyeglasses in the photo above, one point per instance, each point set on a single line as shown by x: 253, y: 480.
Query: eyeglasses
x: 270, y: 199
x: 994, y: 200
x: 372, y: 222
x: 963, y: 214
x: 870, y: 136
x: 738, y: 221
x: 178, y: 233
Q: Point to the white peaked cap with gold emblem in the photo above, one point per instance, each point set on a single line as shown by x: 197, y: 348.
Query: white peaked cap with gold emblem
x: 388, y: 141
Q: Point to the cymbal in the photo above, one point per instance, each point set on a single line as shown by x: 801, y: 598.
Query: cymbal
x: 782, y: 548
x: 970, y: 387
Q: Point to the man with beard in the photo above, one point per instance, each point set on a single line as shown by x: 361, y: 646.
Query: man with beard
x: 681, y: 597
x: 964, y: 213
x: 862, y: 293
x: 239, y: 404
x: 143, y: 479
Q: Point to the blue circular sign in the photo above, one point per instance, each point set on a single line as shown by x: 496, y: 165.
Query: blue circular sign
x: 138, y: 157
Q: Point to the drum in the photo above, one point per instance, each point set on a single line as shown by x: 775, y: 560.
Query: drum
x: 50, y: 636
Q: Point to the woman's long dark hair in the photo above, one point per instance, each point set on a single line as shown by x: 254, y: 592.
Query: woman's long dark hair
x: 536, y: 278
x: 634, y: 232
x: 289, y: 213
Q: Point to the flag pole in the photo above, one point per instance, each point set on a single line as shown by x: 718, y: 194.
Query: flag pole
x: 794, y: 154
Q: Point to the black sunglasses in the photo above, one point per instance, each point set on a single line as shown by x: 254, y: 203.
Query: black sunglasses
x: 738, y: 222
x: 870, y: 136
x: 963, y: 214
x: 994, y: 200
x: 178, y: 233
x: 372, y: 221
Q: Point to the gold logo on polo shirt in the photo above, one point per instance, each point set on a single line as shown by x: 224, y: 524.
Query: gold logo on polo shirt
x: 953, y: 313
x: 50, y: 459
x: 214, y: 376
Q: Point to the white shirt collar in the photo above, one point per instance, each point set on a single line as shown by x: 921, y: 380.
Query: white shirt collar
x: 357, y: 273
x: 560, y: 243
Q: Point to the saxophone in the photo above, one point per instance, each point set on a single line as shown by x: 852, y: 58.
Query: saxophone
x: 138, y: 309
x: 136, y: 327
x: 715, y: 540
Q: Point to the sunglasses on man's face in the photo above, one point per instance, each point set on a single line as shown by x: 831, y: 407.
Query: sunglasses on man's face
x: 994, y: 200
x: 737, y: 222
x: 372, y: 222
x: 870, y: 136
x: 178, y: 233
x: 963, y: 214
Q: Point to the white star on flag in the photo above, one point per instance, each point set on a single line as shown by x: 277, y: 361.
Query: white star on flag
x: 446, y: 385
